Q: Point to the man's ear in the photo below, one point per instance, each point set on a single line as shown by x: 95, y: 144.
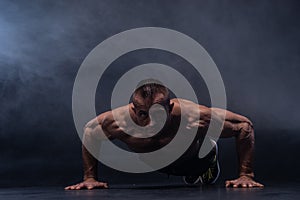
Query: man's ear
x: 133, y: 108
x: 171, y: 106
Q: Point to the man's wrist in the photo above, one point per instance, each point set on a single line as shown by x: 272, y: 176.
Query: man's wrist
x: 87, y: 177
x: 249, y: 175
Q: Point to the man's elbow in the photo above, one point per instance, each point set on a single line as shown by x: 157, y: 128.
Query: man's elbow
x: 246, y: 131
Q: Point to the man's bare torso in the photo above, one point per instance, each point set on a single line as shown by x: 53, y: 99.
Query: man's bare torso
x: 184, y: 111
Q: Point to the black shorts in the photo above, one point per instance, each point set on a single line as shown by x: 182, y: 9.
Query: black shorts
x: 191, y: 165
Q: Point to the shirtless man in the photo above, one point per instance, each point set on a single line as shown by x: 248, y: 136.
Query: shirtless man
x: 193, y: 169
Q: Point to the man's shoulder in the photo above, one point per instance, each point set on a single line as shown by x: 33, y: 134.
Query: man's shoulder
x: 114, y: 115
x: 184, y: 104
x: 186, y: 107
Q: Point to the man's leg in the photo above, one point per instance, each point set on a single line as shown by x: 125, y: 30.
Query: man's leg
x: 212, y: 172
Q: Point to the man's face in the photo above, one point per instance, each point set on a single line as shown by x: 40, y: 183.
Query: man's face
x: 159, y: 106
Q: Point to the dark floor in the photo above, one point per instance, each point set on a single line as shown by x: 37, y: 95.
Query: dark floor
x: 272, y: 191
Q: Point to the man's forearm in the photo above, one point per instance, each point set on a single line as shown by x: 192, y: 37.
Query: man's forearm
x: 245, y: 150
x: 90, y: 165
x: 91, y: 143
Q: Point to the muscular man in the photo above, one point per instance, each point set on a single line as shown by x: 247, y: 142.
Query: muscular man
x: 193, y: 169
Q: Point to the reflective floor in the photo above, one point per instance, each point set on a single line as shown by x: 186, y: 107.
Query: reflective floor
x: 284, y: 191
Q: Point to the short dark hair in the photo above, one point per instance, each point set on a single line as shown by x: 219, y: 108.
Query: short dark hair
x: 149, y: 88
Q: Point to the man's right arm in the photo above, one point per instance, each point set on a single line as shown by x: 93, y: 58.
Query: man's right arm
x: 93, y: 134
x: 90, y: 177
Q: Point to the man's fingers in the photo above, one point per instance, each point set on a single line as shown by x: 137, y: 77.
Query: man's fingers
x: 79, y: 186
x: 72, y: 187
x: 101, y: 185
x: 244, y: 184
x: 96, y: 185
x: 87, y: 185
x: 67, y: 188
x: 233, y: 183
x: 258, y: 184
x: 75, y: 187
x: 229, y: 183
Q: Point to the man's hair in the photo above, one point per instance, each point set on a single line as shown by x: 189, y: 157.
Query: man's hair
x: 149, y: 88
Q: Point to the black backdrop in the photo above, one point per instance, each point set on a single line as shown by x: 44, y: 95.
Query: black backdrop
x: 255, y: 44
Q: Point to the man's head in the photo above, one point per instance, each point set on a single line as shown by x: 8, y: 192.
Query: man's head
x: 147, y: 93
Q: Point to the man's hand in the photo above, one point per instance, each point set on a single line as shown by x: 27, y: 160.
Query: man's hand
x: 89, y: 184
x: 244, y: 182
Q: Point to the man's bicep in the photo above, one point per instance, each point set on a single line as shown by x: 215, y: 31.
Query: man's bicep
x: 213, y: 120
x: 94, y: 128
x: 108, y: 127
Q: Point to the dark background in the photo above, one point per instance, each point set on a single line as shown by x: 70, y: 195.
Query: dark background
x: 255, y: 44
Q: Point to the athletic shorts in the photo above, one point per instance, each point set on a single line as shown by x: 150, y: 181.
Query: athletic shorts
x: 190, y: 165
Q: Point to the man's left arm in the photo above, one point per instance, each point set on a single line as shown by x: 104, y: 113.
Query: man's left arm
x: 245, y: 150
x: 241, y: 128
